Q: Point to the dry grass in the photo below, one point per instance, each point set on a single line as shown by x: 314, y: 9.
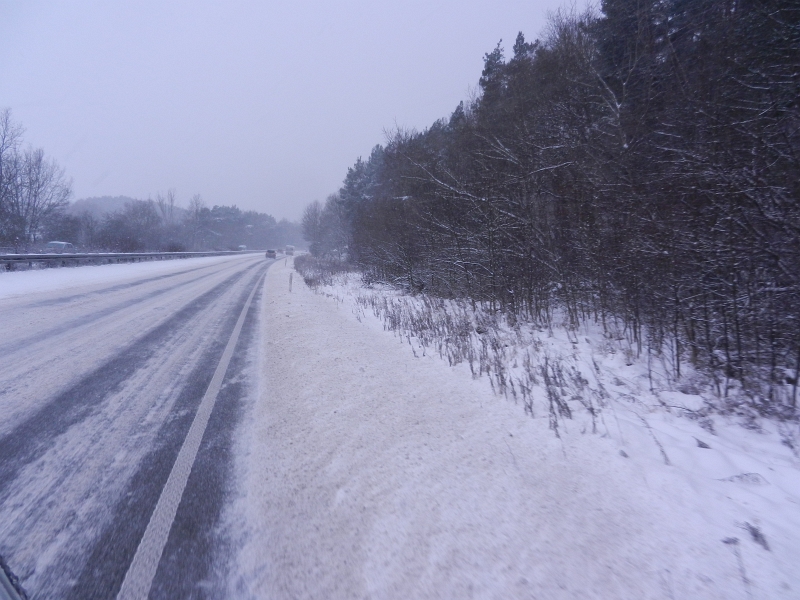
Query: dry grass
x: 510, y: 353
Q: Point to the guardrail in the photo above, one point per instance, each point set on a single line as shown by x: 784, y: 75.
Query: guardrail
x: 11, y: 262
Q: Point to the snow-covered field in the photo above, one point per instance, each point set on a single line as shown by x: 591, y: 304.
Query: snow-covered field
x: 370, y: 467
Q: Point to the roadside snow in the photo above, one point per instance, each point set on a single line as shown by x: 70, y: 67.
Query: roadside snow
x: 17, y: 283
x: 369, y: 470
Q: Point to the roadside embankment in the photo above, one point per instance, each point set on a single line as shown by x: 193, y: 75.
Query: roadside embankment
x: 371, y: 473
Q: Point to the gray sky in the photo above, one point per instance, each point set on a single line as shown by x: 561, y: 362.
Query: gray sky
x: 259, y: 104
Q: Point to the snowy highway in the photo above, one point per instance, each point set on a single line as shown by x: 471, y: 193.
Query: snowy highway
x: 214, y: 428
x: 100, y: 381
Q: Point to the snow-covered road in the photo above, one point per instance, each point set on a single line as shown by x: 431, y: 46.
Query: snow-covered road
x: 101, y: 374
x: 337, y: 463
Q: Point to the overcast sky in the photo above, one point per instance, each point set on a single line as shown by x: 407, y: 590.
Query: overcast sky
x: 259, y: 104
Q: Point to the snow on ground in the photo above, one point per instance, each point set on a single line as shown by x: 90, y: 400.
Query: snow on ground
x: 17, y: 283
x: 369, y: 470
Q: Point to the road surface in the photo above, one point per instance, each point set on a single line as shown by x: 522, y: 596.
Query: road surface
x: 139, y: 457
x: 99, y: 387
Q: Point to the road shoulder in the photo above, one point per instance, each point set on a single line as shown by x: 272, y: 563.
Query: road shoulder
x: 368, y: 472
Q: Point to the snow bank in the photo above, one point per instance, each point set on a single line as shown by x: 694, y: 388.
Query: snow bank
x: 369, y: 470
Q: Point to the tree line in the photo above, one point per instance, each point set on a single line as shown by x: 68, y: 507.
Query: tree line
x: 161, y: 225
x: 639, y: 166
x: 35, y: 208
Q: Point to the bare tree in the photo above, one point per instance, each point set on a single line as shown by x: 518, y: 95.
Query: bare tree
x: 10, y: 138
x: 195, y: 219
x: 40, y: 190
x: 166, y: 207
x: 312, y: 227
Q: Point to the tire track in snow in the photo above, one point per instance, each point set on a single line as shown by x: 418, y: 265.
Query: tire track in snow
x: 26, y: 318
x: 195, y: 559
x: 32, y: 437
x: 89, y: 513
x: 45, y: 369
x: 114, y: 549
x: 85, y: 320
x: 116, y: 288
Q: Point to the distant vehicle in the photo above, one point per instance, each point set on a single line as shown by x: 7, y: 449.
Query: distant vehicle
x: 271, y: 254
x: 289, y: 250
x: 242, y: 247
x: 59, y: 248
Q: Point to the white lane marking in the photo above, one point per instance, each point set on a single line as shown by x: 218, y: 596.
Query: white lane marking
x: 139, y: 577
